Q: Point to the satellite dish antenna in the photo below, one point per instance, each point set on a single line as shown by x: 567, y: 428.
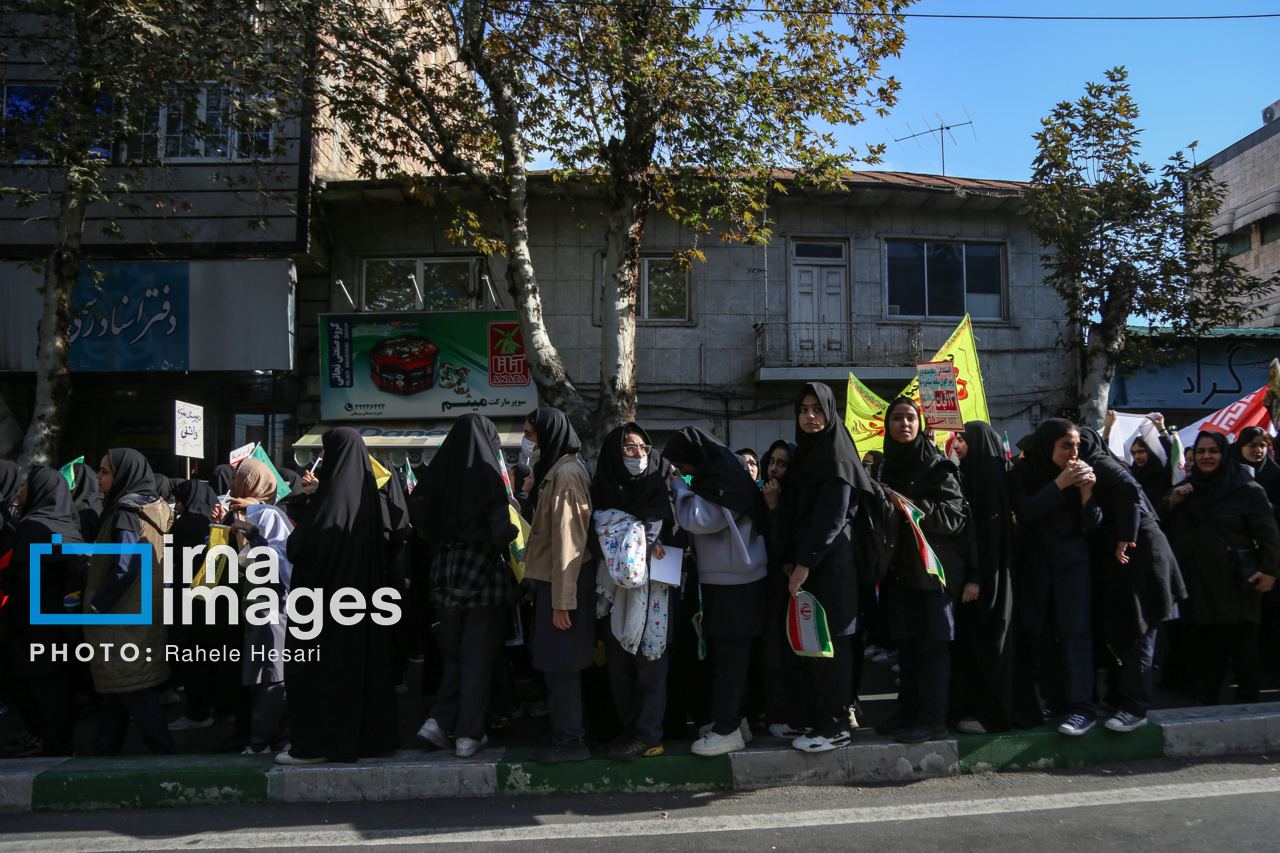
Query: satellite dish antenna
x: 943, y: 130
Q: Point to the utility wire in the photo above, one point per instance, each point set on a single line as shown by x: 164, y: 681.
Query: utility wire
x: 801, y: 11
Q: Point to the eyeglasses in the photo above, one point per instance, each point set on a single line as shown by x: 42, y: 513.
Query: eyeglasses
x: 636, y: 450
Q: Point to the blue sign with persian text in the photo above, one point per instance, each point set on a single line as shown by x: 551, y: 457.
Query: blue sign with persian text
x: 1219, y: 371
x: 137, y: 317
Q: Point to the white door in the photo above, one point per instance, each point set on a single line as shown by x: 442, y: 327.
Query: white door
x: 818, y: 331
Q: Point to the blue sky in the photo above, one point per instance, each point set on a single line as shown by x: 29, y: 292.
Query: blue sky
x: 1193, y: 80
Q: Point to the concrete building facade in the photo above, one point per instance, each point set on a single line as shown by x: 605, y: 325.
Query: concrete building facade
x: 1249, y: 222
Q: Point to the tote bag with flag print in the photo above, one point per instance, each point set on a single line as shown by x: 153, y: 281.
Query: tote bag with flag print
x: 807, y: 627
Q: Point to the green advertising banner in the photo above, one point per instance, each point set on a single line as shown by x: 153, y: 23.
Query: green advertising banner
x: 437, y: 364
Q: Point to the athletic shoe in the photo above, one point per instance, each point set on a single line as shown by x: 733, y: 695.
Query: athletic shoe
x: 920, y: 734
x: 743, y: 727
x: 249, y: 750
x: 416, y: 659
x: 885, y: 656
x: 286, y: 758
x: 576, y: 751
x: 970, y: 726
x: 890, y: 725
x: 468, y: 747
x: 632, y: 749
x: 182, y: 724
x: 1076, y: 725
x: 714, y: 744
x: 1123, y: 721
x: 169, y: 697
x: 814, y: 742
x: 871, y: 651
x: 432, y: 733
x: 784, y: 731
x: 539, y: 708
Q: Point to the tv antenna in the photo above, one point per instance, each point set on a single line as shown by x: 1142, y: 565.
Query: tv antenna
x: 943, y: 130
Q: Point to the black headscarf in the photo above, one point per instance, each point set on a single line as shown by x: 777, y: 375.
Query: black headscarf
x: 49, y: 505
x: 196, y: 496
x: 1154, y: 476
x: 292, y: 479
x: 344, y: 515
x: 222, y: 477
x: 903, y: 461
x: 130, y: 475
x: 768, y: 454
x: 827, y: 455
x: 1266, y: 472
x: 718, y: 476
x: 1230, y: 489
x: 458, y: 489
x: 85, y: 494
x: 556, y: 438
x: 10, y: 483
x: 642, y: 496
x: 163, y: 488
x: 1036, y: 468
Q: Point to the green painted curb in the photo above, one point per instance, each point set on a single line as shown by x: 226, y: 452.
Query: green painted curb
x: 669, y: 772
x: 1047, y: 748
x: 149, y: 781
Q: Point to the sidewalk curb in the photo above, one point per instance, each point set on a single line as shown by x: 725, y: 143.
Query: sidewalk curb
x: 49, y: 784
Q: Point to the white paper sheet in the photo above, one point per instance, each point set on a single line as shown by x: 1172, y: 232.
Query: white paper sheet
x: 666, y: 570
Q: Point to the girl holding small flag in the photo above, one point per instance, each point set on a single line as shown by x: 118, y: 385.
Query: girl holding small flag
x: 824, y: 483
x: 927, y: 573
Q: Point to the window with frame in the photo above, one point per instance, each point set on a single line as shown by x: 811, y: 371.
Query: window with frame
x: 25, y: 110
x: 421, y: 284
x: 936, y: 279
x: 1234, y: 244
x: 1270, y: 228
x: 663, y: 290
x: 201, y: 125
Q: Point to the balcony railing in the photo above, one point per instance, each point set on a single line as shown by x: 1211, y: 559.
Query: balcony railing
x: 780, y: 344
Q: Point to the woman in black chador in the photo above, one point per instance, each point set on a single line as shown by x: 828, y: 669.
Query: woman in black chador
x: 342, y: 699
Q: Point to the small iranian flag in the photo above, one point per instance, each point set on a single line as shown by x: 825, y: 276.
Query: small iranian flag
x: 1008, y: 451
x: 913, y: 513
x: 410, y: 481
x: 1177, y: 455
x: 69, y: 472
x: 807, y: 627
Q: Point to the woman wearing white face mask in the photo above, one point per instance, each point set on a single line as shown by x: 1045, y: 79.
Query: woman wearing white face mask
x: 629, y: 490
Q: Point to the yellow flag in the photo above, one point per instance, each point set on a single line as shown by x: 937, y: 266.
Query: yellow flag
x: 864, y: 411
x: 864, y: 416
x: 961, y: 349
x: 380, y: 474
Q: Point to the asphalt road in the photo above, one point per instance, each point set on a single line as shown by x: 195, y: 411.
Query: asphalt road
x: 1166, y: 805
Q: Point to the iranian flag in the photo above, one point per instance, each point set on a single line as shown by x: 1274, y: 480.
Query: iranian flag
x: 913, y: 513
x: 807, y: 627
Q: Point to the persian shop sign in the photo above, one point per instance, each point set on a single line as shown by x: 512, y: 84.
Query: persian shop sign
x: 135, y: 318
x: 424, y: 364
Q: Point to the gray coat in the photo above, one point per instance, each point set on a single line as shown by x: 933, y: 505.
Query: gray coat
x: 730, y: 550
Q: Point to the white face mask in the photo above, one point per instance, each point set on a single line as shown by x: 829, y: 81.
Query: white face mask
x: 528, y: 447
x: 636, y: 466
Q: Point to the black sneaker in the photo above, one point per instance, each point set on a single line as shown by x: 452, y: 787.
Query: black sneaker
x: 632, y: 749
x: 576, y: 751
x: 890, y: 725
x: 920, y: 734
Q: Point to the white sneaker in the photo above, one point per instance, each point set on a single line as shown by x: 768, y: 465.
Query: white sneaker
x: 182, y: 724
x: 743, y: 727
x: 814, y: 742
x: 871, y: 651
x: 1123, y: 721
x: 468, y: 747
x: 714, y: 744
x: 970, y: 726
x: 432, y: 733
x: 1076, y: 725
x: 286, y: 758
x: 249, y: 750
x: 884, y: 656
x: 170, y: 697
x: 784, y: 731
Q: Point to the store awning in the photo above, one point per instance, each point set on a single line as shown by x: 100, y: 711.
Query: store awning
x: 400, y: 438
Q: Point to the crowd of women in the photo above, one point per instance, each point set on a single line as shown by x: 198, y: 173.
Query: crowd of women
x: 1012, y: 592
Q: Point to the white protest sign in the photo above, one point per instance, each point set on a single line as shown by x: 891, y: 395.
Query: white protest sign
x: 188, y: 429
x: 939, y: 395
x: 241, y: 453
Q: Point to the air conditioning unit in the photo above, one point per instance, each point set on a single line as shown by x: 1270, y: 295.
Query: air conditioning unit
x: 1270, y: 113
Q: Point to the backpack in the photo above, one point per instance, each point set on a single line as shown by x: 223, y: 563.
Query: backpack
x: 874, y: 534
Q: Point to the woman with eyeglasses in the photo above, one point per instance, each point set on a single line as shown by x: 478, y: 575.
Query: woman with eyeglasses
x: 1223, y: 532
